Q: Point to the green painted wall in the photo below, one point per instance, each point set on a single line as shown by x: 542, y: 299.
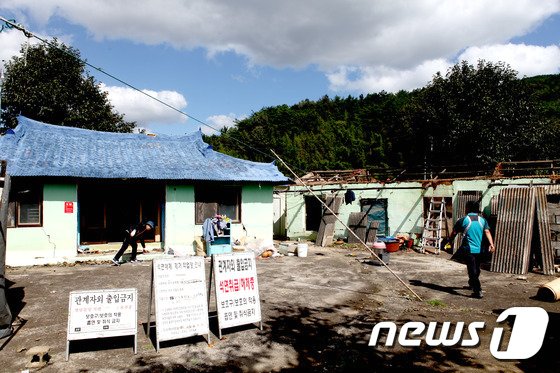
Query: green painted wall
x: 404, y: 201
x: 179, y: 222
x: 404, y: 206
x: 180, y: 227
x: 57, y: 237
x: 256, y: 212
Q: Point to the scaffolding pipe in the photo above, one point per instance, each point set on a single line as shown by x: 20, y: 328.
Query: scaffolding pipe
x: 349, y: 230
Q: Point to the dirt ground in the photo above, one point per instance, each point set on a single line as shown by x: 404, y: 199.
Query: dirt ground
x: 318, y: 314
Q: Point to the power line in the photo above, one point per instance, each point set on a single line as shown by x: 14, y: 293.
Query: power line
x: 10, y: 24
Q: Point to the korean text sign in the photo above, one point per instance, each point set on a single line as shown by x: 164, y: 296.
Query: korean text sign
x: 180, y: 297
x: 237, y: 290
x: 102, y: 313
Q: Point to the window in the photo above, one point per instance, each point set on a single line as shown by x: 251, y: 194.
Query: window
x: 222, y: 200
x: 26, y: 206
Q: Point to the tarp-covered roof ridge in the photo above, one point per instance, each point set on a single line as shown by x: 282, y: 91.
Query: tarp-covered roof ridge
x: 39, y: 149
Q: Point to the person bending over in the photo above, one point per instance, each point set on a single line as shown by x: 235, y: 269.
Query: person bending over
x: 132, y: 236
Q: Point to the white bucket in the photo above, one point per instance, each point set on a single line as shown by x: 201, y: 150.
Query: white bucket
x: 302, y: 249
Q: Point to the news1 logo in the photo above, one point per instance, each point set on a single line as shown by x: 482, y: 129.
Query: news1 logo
x: 526, y: 339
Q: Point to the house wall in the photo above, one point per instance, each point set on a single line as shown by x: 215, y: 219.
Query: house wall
x: 57, y: 239
x: 404, y: 201
x: 181, y: 229
x: 256, y: 213
x: 179, y: 218
x: 58, y: 236
x: 404, y: 206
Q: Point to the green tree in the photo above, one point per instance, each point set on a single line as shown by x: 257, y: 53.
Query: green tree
x: 477, y: 116
x: 464, y: 121
x: 49, y: 83
x: 338, y: 133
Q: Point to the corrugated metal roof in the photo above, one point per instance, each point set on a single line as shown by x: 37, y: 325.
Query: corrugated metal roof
x: 514, y: 230
x: 552, y: 189
x: 463, y: 196
x: 519, y: 210
x: 39, y: 149
x: 546, y: 252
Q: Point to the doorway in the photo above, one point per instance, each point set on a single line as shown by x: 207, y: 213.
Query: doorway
x: 107, y: 209
x: 376, y: 210
x: 313, y: 213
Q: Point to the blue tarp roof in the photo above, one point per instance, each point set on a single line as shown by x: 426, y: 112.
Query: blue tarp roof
x: 39, y: 149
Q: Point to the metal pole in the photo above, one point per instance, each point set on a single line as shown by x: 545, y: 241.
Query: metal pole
x: 1, y: 83
x: 349, y: 230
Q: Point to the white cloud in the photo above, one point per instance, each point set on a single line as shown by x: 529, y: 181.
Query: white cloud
x: 295, y: 33
x: 361, y: 45
x: 527, y: 60
x: 220, y: 121
x: 11, y: 42
x: 142, y: 109
x: 383, y: 78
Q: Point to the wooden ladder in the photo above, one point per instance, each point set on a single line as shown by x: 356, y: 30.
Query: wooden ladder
x: 435, y: 223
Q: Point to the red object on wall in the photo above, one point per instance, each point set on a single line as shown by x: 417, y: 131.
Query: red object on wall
x: 68, y: 207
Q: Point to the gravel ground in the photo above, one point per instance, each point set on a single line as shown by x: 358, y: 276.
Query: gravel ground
x: 318, y: 313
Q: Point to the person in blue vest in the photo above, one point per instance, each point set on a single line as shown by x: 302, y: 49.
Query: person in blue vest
x: 473, y: 227
x: 132, y: 236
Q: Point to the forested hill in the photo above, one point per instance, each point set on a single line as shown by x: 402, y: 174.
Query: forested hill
x: 469, y: 119
x: 547, y: 91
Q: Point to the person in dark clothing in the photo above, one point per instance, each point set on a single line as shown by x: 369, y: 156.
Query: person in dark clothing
x: 473, y: 227
x: 133, y: 235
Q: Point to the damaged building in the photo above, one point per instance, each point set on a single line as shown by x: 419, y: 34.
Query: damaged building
x: 72, y: 187
x: 521, y: 201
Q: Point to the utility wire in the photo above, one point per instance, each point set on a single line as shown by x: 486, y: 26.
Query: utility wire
x: 9, y: 24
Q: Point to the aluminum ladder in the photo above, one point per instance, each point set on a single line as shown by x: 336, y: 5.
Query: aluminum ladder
x: 435, y: 223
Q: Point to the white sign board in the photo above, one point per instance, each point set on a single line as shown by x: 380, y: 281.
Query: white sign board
x: 180, y: 297
x: 102, y: 313
x: 237, y: 289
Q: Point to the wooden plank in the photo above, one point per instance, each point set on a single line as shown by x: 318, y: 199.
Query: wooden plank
x: 323, y: 225
x: 357, y: 222
x: 372, y: 231
x: 320, y: 234
x: 329, y: 235
x: 325, y: 235
x: 331, y: 220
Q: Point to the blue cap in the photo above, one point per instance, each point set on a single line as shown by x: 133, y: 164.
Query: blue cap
x: 150, y: 223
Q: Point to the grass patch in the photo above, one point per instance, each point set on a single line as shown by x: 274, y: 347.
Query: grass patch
x: 436, y: 303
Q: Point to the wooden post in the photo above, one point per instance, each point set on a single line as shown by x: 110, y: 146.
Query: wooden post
x: 5, y: 313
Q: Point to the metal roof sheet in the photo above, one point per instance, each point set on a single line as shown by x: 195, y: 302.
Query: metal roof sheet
x: 518, y: 211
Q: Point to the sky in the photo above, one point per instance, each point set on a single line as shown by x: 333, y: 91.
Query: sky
x: 219, y: 61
